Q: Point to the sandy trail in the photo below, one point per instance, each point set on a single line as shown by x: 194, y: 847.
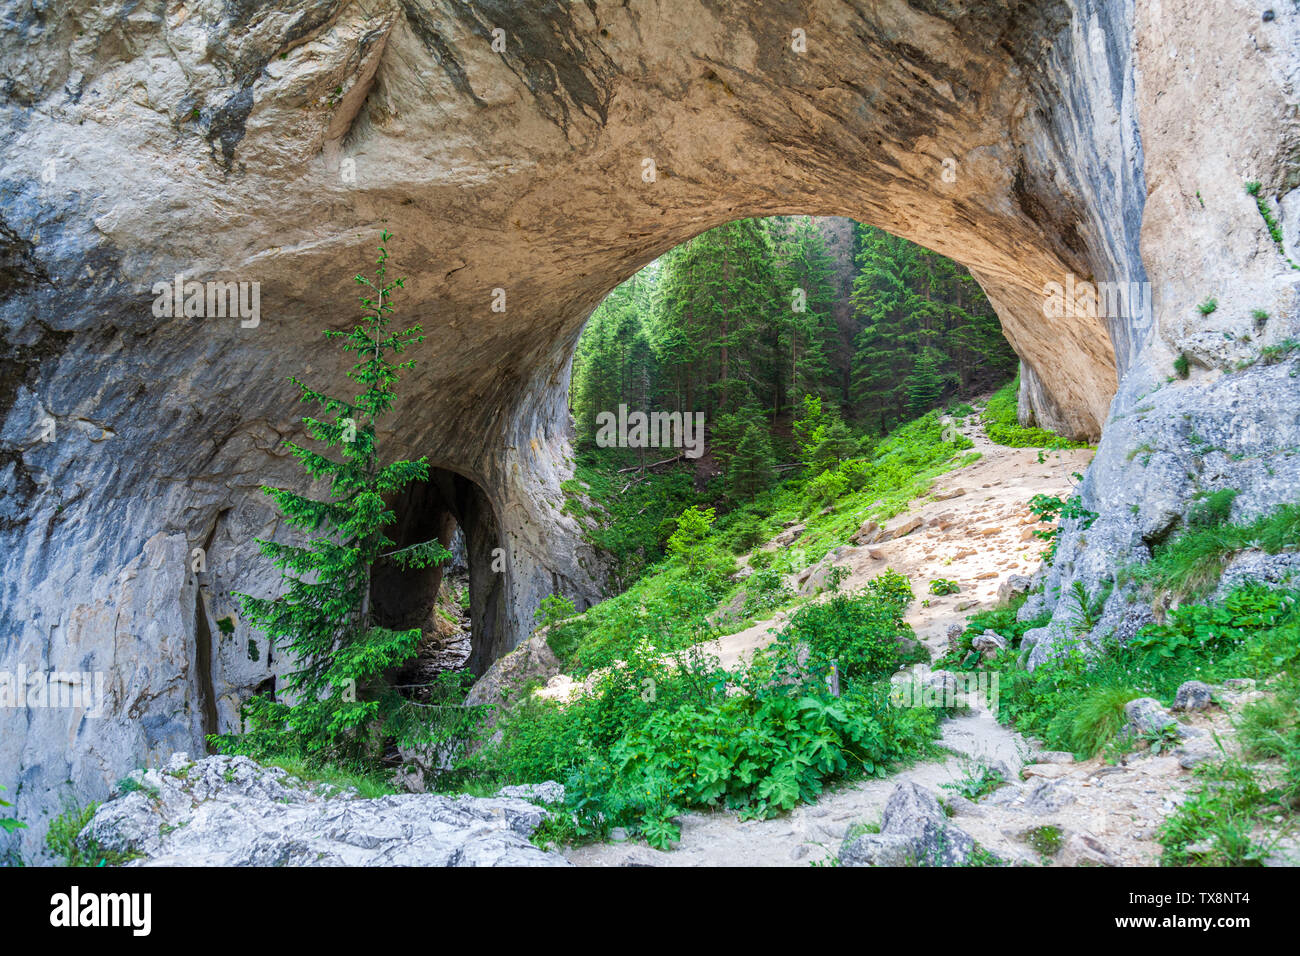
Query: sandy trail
x: 977, y: 537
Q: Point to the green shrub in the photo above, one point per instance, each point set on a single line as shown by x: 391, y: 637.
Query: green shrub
x: 554, y: 609
x: 61, y: 839
x: 861, y: 631
x: 1213, y: 510
x: 1097, y: 718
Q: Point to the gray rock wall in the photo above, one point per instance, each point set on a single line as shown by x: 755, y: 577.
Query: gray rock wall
x: 270, y: 143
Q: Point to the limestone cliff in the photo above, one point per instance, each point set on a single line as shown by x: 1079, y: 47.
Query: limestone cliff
x: 549, y: 150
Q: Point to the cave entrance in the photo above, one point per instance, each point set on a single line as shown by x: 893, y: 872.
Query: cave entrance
x: 459, y: 605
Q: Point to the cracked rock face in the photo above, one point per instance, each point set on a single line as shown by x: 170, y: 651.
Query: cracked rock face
x: 1036, y: 142
x: 230, y: 811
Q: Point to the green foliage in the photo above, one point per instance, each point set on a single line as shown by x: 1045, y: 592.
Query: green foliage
x: 1075, y: 701
x: 1087, y: 607
x: 1046, y: 840
x: 942, y: 586
x: 61, y: 840
x: 1182, y: 367
x: 978, y: 780
x: 660, y: 735
x: 1208, y: 306
x: 860, y: 631
x: 1219, y: 823
x: 1002, y: 425
x: 1212, y: 510
x: 1255, y: 190
x: 554, y: 609
x: 9, y: 824
x: 688, y: 541
x: 759, y: 753
x: 1097, y: 718
x: 1049, y: 508
x: 1189, y: 566
x: 1001, y: 620
x: 323, y: 619
x: 926, y: 330
x: 1200, y: 631
x: 751, y: 468
x: 633, y: 519
x: 1214, y: 826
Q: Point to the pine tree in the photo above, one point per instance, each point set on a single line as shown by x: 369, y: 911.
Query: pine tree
x: 341, y: 711
x: 752, y: 467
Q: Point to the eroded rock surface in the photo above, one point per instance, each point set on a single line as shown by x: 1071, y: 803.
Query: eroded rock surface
x: 231, y: 811
x: 268, y: 143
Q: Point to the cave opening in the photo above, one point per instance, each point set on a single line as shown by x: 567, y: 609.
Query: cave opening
x: 459, y: 604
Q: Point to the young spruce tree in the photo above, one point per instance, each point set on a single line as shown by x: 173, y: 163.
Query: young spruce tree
x: 340, y: 711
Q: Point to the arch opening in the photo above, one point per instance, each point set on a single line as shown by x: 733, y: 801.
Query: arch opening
x: 458, y: 605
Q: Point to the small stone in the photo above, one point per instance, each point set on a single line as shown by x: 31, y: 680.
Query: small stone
x: 1084, y: 849
x: 955, y: 632
x: 989, y: 643
x: 1014, y: 586
x: 1193, y: 695
x: 1049, y: 771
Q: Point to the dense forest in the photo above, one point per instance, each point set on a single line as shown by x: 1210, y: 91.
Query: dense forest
x: 752, y: 321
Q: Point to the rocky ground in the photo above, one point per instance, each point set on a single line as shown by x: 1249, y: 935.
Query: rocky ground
x: 231, y: 811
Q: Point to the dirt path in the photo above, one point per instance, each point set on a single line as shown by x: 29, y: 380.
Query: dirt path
x: 975, y: 529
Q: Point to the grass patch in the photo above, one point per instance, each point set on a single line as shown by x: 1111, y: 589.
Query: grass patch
x: 1002, y: 425
x: 1190, y: 566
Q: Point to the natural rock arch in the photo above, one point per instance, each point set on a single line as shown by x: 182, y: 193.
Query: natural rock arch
x: 269, y: 143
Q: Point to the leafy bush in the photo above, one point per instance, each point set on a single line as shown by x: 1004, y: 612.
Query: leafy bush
x: 1207, y: 631
x: 758, y: 753
x: 1097, y: 718
x: 1220, y: 816
x: 688, y: 541
x: 824, y: 489
x: 861, y: 631
x: 554, y: 609
x: 942, y: 586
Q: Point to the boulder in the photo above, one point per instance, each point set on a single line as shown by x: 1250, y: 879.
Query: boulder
x: 954, y: 636
x: 1193, y: 695
x: 914, y: 831
x: 1146, y: 715
x: 531, y: 660
x: 900, y: 529
x: 989, y: 643
x: 868, y: 533
x: 817, y: 578
x: 1013, y: 586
